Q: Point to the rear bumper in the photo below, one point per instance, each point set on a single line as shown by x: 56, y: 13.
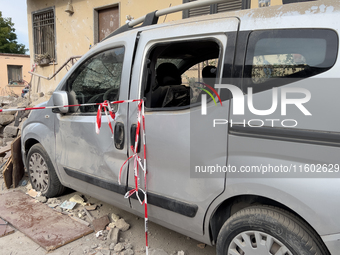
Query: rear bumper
x: 332, y: 242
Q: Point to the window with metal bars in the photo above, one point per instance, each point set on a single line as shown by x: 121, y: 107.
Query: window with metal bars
x: 44, y: 35
x: 229, y: 5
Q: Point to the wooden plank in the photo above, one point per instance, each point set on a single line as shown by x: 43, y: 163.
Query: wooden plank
x: 18, y: 165
x: 8, y: 173
x: 45, y: 226
x: 8, y: 154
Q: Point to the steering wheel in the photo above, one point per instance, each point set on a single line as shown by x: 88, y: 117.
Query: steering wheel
x: 111, y: 94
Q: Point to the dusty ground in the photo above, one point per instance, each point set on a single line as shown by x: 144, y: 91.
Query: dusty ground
x: 159, y: 237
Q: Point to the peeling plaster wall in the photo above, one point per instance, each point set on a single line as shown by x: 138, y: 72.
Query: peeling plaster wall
x: 75, y: 33
x: 17, y: 60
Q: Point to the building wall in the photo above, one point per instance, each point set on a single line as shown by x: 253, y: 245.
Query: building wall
x: 255, y: 3
x: 75, y: 33
x: 17, y: 60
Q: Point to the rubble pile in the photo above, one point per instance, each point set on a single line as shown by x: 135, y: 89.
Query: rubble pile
x: 11, y: 122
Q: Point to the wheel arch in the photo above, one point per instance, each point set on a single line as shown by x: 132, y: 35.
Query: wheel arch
x: 29, y: 143
x: 234, y: 204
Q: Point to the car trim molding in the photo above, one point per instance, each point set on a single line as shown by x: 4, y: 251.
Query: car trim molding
x: 288, y: 134
x: 164, y: 202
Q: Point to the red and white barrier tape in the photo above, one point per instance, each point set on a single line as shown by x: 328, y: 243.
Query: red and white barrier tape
x: 137, y: 160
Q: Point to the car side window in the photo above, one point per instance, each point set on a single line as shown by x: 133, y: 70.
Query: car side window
x: 96, y: 80
x: 177, y: 73
x: 291, y: 53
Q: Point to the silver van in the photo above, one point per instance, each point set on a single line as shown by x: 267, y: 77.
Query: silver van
x: 242, y: 127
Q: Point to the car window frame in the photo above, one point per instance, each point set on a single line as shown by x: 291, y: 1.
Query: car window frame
x: 65, y: 85
x: 332, y: 40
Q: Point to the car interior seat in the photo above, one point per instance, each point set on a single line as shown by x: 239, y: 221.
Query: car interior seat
x: 169, y: 92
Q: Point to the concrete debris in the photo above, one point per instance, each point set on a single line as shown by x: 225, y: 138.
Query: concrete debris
x: 6, y: 119
x: 181, y: 253
x: 42, y: 199
x: 81, y: 214
x: 120, y: 224
x: 113, y: 235
x: 59, y: 209
x: 78, y: 199
x: 114, y: 217
x: 88, y: 214
x: 54, y: 201
x: 32, y: 193
x: 91, y: 207
x: 128, y: 246
x: 119, y: 247
x: 112, y: 246
x: 29, y: 186
x: 10, y: 131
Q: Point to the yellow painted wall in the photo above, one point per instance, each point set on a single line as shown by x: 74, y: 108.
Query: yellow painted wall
x: 75, y: 33
x: 13, y: 59
x: 255, y: 3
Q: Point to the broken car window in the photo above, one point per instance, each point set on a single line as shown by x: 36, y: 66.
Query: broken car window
x: 96, y: 80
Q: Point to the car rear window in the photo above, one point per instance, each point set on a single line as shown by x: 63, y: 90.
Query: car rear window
x: 292, y: 53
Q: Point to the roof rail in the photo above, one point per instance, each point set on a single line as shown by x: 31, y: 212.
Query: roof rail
x: 152, y: 17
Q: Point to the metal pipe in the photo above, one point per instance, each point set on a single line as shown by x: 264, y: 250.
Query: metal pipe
x: 50, y: 77
x: 44, y: 77
x: 177, y: 8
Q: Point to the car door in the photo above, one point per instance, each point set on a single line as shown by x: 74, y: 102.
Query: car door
x: 90, y: 162
x: 179, y: 139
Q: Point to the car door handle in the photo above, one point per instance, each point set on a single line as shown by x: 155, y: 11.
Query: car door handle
x: 133, y: 136
x: 119, y: 135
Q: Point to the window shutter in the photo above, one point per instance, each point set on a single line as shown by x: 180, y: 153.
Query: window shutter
x: 231, y: 5
x: 196, y: 11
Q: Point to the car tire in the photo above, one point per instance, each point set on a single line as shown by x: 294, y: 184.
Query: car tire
x: 42, y: 173
x: 265, y: 230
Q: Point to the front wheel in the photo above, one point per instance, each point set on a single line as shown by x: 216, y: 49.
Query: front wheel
x: 265, y: 230
x: 41, y: 172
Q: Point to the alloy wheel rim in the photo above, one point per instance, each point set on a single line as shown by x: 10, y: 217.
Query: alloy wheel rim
x: 39, y: 172
x: 257, y: 243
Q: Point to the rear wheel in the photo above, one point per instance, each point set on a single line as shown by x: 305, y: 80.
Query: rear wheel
x: 42, y: 173
x: 264, y: 230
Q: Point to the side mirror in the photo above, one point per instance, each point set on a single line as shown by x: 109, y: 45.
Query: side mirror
x: 60, y: 98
